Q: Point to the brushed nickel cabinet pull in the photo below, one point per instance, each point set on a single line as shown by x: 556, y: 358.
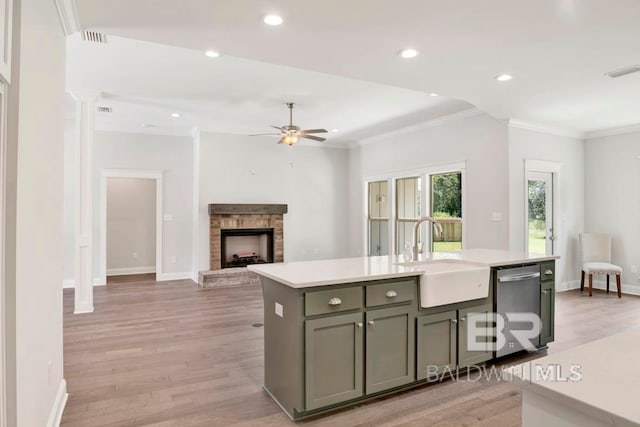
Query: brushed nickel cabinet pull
x: 371, y: 322
x: 548, y: 273
x: 454, y: 321
x: 359, y: 324
x: 335, y: 301
x: 391, y: 294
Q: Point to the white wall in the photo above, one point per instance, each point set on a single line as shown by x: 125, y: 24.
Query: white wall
x: 131, y: 226
x: 34, y: 215
x: 311, y: 180
x: 612, y: 197
x: 526, y: 144
x: 479, y: 140
x: 173, y: 155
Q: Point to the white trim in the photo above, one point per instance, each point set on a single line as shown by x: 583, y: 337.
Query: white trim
x: 55, y: 416
x: 68, y: 14
x: 551, y: 130
x: 627, y: 289
x: 6, y: 50
x: 568, y: 286
x: 3, y: 207
x: 129, y: 173
x: 196, y: 204
x: 620, y: 130
x: 130, y: 270
x: 70, y: 283
x: 174, y: 276
x: 99, y: 281
x: 438, y: 121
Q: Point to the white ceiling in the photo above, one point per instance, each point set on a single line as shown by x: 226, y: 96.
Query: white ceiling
x: 557, y: 50
x: 145, y: 82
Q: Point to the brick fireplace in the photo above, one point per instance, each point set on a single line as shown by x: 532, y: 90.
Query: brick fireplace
x: 258, y: 236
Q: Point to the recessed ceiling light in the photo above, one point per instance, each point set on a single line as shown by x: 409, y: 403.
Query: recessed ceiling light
x: 504, y: 77
x: 408, y: 53
x: 176, y: 115
x: 433, y: 94
x: 212, y: 54
x: 273, y: 20
x: 335, y: 130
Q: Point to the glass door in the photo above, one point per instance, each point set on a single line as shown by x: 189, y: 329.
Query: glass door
x: 540, y: 213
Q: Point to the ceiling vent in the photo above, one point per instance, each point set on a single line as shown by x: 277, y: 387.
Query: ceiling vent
x: 623, y: 71
x: 103, y: 109
x: 94, y: 37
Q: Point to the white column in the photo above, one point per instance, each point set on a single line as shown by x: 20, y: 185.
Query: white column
x: 85, y: 128
x: 196, y: 203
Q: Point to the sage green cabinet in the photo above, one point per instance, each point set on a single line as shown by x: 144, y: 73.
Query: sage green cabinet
x: 468, y: 357
x: 390, y: 348
x: 333, y: 360
x: 547, y: 310
x: 437, y: 336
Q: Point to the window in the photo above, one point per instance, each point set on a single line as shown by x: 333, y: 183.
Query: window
x: 378, y: 219
x: 446, y: 206
x: 408, y: 210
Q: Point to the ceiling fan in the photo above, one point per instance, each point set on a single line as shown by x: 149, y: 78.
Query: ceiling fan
x: 291, y: 134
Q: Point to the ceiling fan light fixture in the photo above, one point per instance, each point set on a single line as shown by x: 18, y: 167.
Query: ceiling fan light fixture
x: 291, y: 139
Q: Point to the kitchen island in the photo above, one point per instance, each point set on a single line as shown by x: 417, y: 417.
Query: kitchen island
x: 339, y: 332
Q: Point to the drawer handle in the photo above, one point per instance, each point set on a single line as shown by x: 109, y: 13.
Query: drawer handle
x: 371, y: 322
x: 335, y: 301
x: 359, y: 324
x: 391, y: 294
x: 548, y: 273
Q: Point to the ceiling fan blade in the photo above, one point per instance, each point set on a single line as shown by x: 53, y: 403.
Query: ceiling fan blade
x: 313, y: 131
x: 263, y: 134
x: 314, y: 138
x: 276, y: 127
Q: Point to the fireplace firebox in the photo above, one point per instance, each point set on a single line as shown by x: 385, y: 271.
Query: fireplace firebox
x: 246, y: 246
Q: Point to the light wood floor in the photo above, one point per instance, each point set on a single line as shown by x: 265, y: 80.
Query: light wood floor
x: 171, y: 354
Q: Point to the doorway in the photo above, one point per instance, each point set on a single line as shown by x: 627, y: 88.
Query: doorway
x: 131, y: 229
x: 540, y: 219
x: 130, y: 225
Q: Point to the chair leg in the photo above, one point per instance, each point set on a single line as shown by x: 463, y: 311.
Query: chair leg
x: 590, y: 284
x: 619, y: 286
x: 582, y: 282
x: 607, y: 282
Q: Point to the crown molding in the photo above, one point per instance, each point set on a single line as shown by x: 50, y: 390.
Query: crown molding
x: 68, y: 14
x: 438, y: 121
x: 551, y: 130
x: 620, y: 130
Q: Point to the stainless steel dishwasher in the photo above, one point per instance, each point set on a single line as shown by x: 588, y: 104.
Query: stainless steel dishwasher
x: 517, y: 291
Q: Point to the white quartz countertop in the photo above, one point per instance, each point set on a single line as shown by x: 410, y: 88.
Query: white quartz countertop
x: 607, y: 383
x: 305, y: 274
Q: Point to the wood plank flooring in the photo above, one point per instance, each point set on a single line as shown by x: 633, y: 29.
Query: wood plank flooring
x: 171, y: 354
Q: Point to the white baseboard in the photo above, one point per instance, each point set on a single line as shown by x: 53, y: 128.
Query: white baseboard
x: 600, y: 284
x: 130, y: 270
x: 55, y: 416
x: 175, y: 276
x: 71, y: 283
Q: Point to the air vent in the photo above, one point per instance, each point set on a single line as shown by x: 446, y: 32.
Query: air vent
x: 103, y: 109
x: 94, y: 36
x: 623, y: 71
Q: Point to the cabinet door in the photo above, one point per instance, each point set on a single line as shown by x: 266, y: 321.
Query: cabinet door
x: 547, y: 310
x: 468, y: 357
x: 390, y: 348
x: 333, y: 360
x: 437, y: 342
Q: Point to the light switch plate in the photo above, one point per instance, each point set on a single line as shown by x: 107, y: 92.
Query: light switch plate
x: 279, y: 310
x: 496, y: 216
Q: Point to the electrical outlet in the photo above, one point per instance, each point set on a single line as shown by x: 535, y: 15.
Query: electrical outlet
x: 634, y: 269
x: 173, y: 259
x: 134, y: 255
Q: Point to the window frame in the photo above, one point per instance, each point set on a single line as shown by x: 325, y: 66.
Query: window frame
x: 425, y: 205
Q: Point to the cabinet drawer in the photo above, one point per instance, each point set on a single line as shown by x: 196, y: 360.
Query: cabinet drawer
x: 332, y: 301
x: 389, y: 293
x: 547, y: 271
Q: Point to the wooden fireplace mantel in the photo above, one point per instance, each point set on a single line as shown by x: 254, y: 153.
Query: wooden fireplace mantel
x: 247, y: 209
